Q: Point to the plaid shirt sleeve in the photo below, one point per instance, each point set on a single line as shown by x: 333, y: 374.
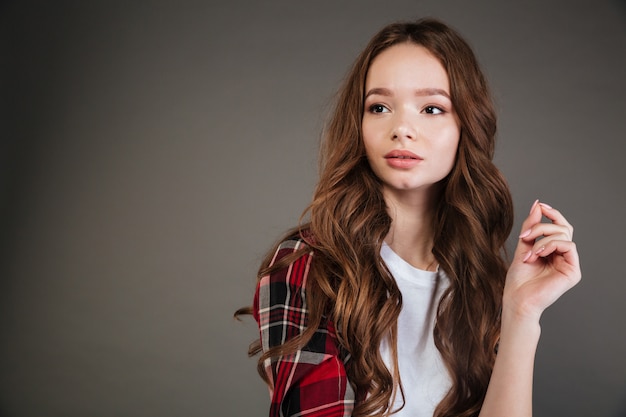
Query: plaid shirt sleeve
x: 312, y: 381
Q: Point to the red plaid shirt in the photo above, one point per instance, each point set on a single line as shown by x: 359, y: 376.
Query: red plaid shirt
x: 311, y: 382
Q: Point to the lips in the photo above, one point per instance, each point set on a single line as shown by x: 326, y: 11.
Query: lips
x: 402, y: 155
x: 402, y: 159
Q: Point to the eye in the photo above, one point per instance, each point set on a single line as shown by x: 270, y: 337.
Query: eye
x: 433, y: 110
x: 378, y: 108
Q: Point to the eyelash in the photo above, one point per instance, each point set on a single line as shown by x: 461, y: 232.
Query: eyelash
x: 373, y: 108
x: 431, y: 108
x: 378, y: 108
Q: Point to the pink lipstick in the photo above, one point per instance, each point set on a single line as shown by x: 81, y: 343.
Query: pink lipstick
x: 402, y: 159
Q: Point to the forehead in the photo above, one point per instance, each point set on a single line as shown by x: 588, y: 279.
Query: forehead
x: 407, y: 65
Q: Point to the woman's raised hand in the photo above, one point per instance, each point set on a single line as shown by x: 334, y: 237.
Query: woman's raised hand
x: 545, y: 264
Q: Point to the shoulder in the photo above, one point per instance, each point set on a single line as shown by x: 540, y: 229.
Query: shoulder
x: 289, y: 246
x: 290, y: 264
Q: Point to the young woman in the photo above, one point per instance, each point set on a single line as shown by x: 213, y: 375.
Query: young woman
x: 395, y: 295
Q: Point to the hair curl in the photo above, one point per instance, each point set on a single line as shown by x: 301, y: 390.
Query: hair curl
x: 349, y: 282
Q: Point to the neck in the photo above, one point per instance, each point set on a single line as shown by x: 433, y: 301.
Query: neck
x: 411, y: 233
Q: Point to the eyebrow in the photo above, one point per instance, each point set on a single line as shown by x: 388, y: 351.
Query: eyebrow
x: 419, y: 92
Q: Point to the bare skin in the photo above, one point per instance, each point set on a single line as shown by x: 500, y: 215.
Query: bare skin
x: 541, y: 271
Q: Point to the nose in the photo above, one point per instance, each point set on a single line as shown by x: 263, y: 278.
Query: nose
x: 403, y: 129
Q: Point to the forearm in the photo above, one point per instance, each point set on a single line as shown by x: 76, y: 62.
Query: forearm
x: 545, y: 265
x: 510, y: 389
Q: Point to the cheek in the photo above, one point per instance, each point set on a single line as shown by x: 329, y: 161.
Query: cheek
x: 452, y: 136
x: 448, y: 149
x: 369, y: 139
x: 371, y: 148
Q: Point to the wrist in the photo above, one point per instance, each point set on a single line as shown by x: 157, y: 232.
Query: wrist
x: 520, y: 308
x: 519, y: 325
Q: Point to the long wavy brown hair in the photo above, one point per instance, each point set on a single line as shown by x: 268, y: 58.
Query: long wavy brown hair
x: 348, y: 220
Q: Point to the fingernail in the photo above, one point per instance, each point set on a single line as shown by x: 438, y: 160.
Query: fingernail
x: 527, y: 256
x: 545, y: 205
x: 541, y: 249
x: 533, y: 206
x: 526, y: 233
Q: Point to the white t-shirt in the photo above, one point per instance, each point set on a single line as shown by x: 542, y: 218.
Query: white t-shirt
x: 425, y: 379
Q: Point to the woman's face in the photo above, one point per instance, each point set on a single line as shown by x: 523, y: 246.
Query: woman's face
x: 410, y: 129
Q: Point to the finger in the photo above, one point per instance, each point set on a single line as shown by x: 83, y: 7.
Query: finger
x: 534, y: 217
x: 562, y: 248
x: 564, y: 259
x: 546, y: 229
x: 555, y: 217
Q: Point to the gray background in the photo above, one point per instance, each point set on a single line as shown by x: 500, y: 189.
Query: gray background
x: 152, y: 151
